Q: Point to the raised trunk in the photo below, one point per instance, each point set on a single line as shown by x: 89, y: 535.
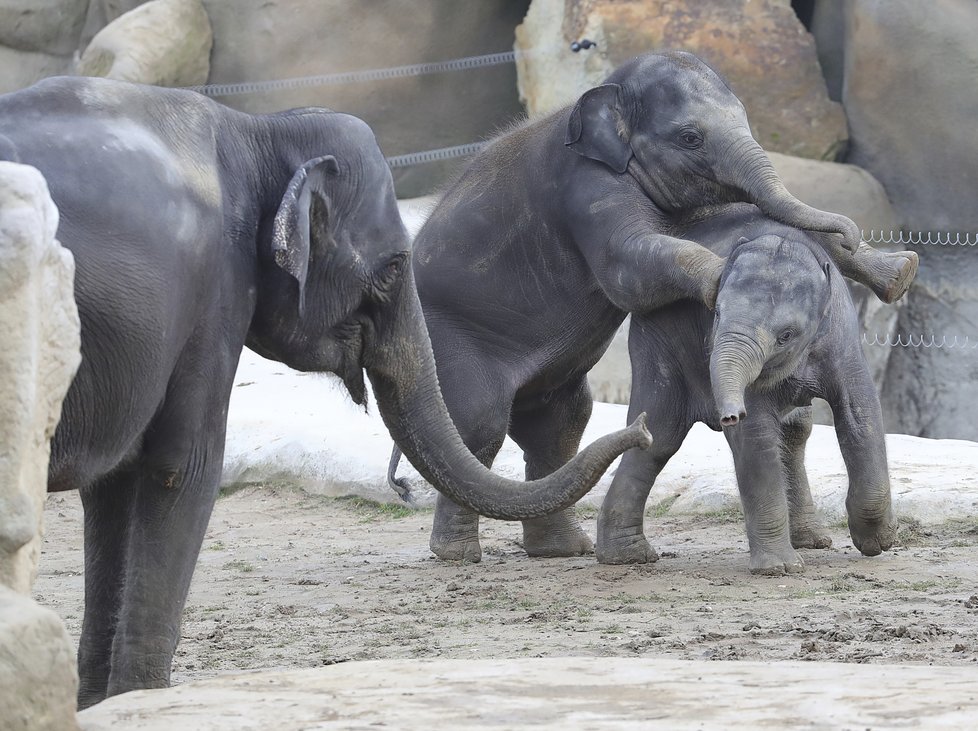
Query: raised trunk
x: 735, y: 363
x: 752, y: 172
x: 401, y: 368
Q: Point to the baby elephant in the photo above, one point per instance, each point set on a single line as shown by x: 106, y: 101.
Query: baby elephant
x: 784, y: 331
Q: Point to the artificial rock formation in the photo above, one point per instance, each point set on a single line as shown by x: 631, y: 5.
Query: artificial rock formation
x: 908, y: 84
x: 163, y: 42
x: 37, y: 39
x: 39, y: 329
x: 760, y: 47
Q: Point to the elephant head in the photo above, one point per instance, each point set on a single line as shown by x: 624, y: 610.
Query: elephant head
x: 774, y: 294
x: 337, y: 294
x: 672, y: 123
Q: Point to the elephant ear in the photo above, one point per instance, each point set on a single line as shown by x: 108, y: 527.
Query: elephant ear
x: 304, y: 204
x: 594, y: 129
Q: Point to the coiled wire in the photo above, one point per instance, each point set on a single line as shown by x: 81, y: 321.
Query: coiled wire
x: 921, y: 238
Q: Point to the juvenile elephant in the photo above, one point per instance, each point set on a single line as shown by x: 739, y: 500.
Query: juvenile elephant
x: 784, y: 331
x: 560, y: 227
x: 196, y: 230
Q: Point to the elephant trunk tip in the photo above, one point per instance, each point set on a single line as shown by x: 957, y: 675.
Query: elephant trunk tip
x: 732, y: 414
x: 639, y: 432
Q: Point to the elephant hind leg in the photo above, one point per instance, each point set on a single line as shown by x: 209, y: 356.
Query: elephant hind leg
x: 806, y: 529
x: 107, y: 505
x: 480, y: 408
x: 549, y: 433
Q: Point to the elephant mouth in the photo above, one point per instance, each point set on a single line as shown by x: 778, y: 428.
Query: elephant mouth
x: 349, y: 339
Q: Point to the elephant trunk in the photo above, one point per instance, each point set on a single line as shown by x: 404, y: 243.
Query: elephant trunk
x: 756, y: 176
x: 401, y: 368
x: 735, y: 363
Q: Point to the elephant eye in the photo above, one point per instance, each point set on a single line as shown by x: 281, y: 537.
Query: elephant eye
x: 785, y: 336
x: 386, y: 277
x: 690, y: 138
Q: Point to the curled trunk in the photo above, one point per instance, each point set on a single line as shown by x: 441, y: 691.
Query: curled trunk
x: 756, y: 176
x: 401, y: 368
x: 735, y: 363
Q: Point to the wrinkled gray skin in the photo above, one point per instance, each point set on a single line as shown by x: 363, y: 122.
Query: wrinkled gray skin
x: 784, y: 331
x: 556, y: 230
x: 196, y: 230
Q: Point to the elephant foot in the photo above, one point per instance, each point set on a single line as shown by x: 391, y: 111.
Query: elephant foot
x: 624, y: 548
x: 776, y: 563
x: 448, y: 549
x: 556, y: 536
x: 872, y: 537
x: 455, y: 534
x: 892, y: 274
x: 810, y: 536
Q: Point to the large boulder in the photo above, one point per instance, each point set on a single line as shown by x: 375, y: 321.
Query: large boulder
x: 302, y: 38
x: 761, y: 48
x: 46, y: 26
x: 37, y: 39
x: 40, y: 332
x: 163, y: 42
x: 910, y: 95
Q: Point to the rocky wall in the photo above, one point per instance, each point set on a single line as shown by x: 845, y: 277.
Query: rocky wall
x: 39, y: 329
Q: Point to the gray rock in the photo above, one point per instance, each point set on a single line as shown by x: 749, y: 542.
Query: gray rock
x: 163, y: 42
x: 911, y: 99
x: 46, y: 26
x: 19, y: 69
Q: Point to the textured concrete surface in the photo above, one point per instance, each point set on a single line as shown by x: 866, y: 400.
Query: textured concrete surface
x: 558, y: 694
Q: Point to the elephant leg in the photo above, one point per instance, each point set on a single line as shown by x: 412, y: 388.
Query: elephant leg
x: 480, y: 408
x: 549, y: 434
x: 174, y: 490
x: 107, y: 505
x: 806, y: 530
x: 756, y: 447
x: 859, y: 427
x: 621, y: 522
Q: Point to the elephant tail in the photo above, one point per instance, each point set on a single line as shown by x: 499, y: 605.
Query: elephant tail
x: 400, y: 485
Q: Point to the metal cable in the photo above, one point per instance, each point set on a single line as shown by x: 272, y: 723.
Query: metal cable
x: 353, y: 77
x: 443, y: 153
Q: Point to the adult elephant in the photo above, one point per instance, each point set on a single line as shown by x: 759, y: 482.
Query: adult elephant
x: 196, y: 230
x: 560, y: 227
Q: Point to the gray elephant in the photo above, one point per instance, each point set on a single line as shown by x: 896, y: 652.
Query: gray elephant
x: 784, y: 331
x: 561, y: 227
x: 196, y: 230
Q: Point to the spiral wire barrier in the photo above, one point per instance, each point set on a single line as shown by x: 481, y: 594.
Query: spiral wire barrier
x: 900, y: 238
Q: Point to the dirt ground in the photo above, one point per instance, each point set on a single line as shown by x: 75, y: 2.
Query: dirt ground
x: 290, y: 580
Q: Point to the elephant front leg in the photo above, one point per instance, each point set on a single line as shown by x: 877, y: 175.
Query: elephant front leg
x: 763, y: 491
x: 859, y: 427
x: 806, y: 529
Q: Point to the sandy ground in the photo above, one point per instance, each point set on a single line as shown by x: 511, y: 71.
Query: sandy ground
x: 290, y: 580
